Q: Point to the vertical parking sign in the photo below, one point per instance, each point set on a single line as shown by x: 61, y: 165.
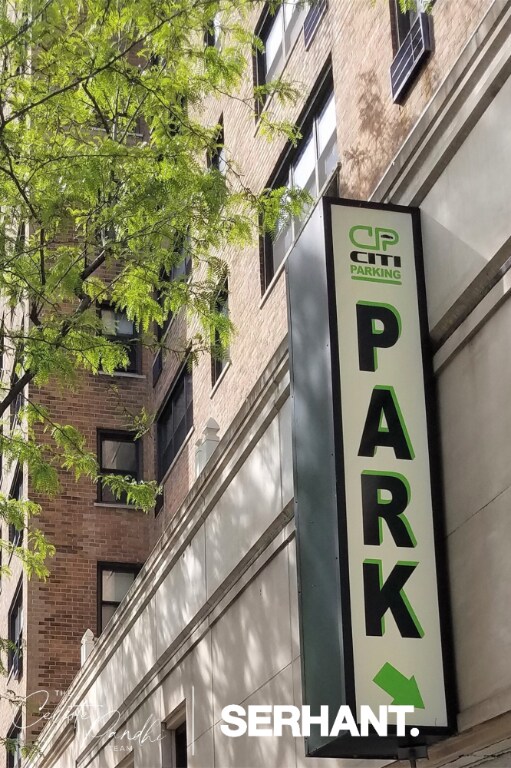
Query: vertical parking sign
x: 366, y: 489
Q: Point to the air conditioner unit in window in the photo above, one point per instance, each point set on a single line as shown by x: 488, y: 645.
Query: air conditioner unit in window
x: 414, y: 49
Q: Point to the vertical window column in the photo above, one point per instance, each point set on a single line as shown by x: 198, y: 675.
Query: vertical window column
x: 220, y: 355
x: 13, y: 744
x: 175, y: 420
x: 15, y: 630
x: 309, y: 169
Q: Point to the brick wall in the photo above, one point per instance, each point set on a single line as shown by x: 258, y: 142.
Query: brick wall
x: 57, y: 612
x: 356, y: 37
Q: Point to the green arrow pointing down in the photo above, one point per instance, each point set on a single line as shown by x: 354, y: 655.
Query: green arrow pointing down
x: 403, y: 690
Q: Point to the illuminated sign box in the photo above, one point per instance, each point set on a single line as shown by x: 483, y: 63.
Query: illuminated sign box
x: 369, y: 535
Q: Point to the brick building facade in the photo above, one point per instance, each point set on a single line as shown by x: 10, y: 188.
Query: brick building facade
x: 212, y: 616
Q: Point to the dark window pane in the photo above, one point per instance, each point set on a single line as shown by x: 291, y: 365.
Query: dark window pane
x: 108, y: 496
x: 119, y: 455
x: 15, y: 634
x: 179, y: 409
x: 175, y: 421
x: 404, y: 21
x: 14, y: 736
x: 180, y: 745
x: 220, y: 355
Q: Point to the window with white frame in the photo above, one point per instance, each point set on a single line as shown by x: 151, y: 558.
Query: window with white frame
x: 212, y: 36
x: 309, y: 169
x: 278, y: 34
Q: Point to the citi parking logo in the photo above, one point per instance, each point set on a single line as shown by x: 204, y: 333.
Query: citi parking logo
x: 373, y: 238
x: 370, y: 260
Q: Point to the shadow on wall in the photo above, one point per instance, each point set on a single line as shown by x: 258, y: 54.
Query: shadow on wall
x: 379, y: 137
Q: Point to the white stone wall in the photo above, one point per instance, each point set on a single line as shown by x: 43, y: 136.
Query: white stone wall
x: 466, y: 215
x: 211, y: 621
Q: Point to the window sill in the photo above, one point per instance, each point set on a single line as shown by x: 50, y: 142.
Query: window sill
x: 220, y: 379
x: 282, y: 264
x: 176, y: 457
x: 122, y: 375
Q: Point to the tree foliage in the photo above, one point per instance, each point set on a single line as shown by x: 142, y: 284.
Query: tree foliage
x: 105, y: 187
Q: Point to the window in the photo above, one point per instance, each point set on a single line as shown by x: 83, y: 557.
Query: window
x: 116, y: 327
x: 412, y: 40
x: 403, y: 22
x: 212, y: 36
x: 180, y: 271
x: 16, y: 405
x: 15, y: 656
x: 114, y: 581
x: 2, y: 344
x: 119, y: 454
x: 175, y: 421
x: 312, y: 20
x: 217, y: 158
x: 181, y: 756
x: 310, y: 168
x: 219, y: 355
x: 16, y: 492
x: 278, y: 34
x: 13, y: 744
x: 173, y: 743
